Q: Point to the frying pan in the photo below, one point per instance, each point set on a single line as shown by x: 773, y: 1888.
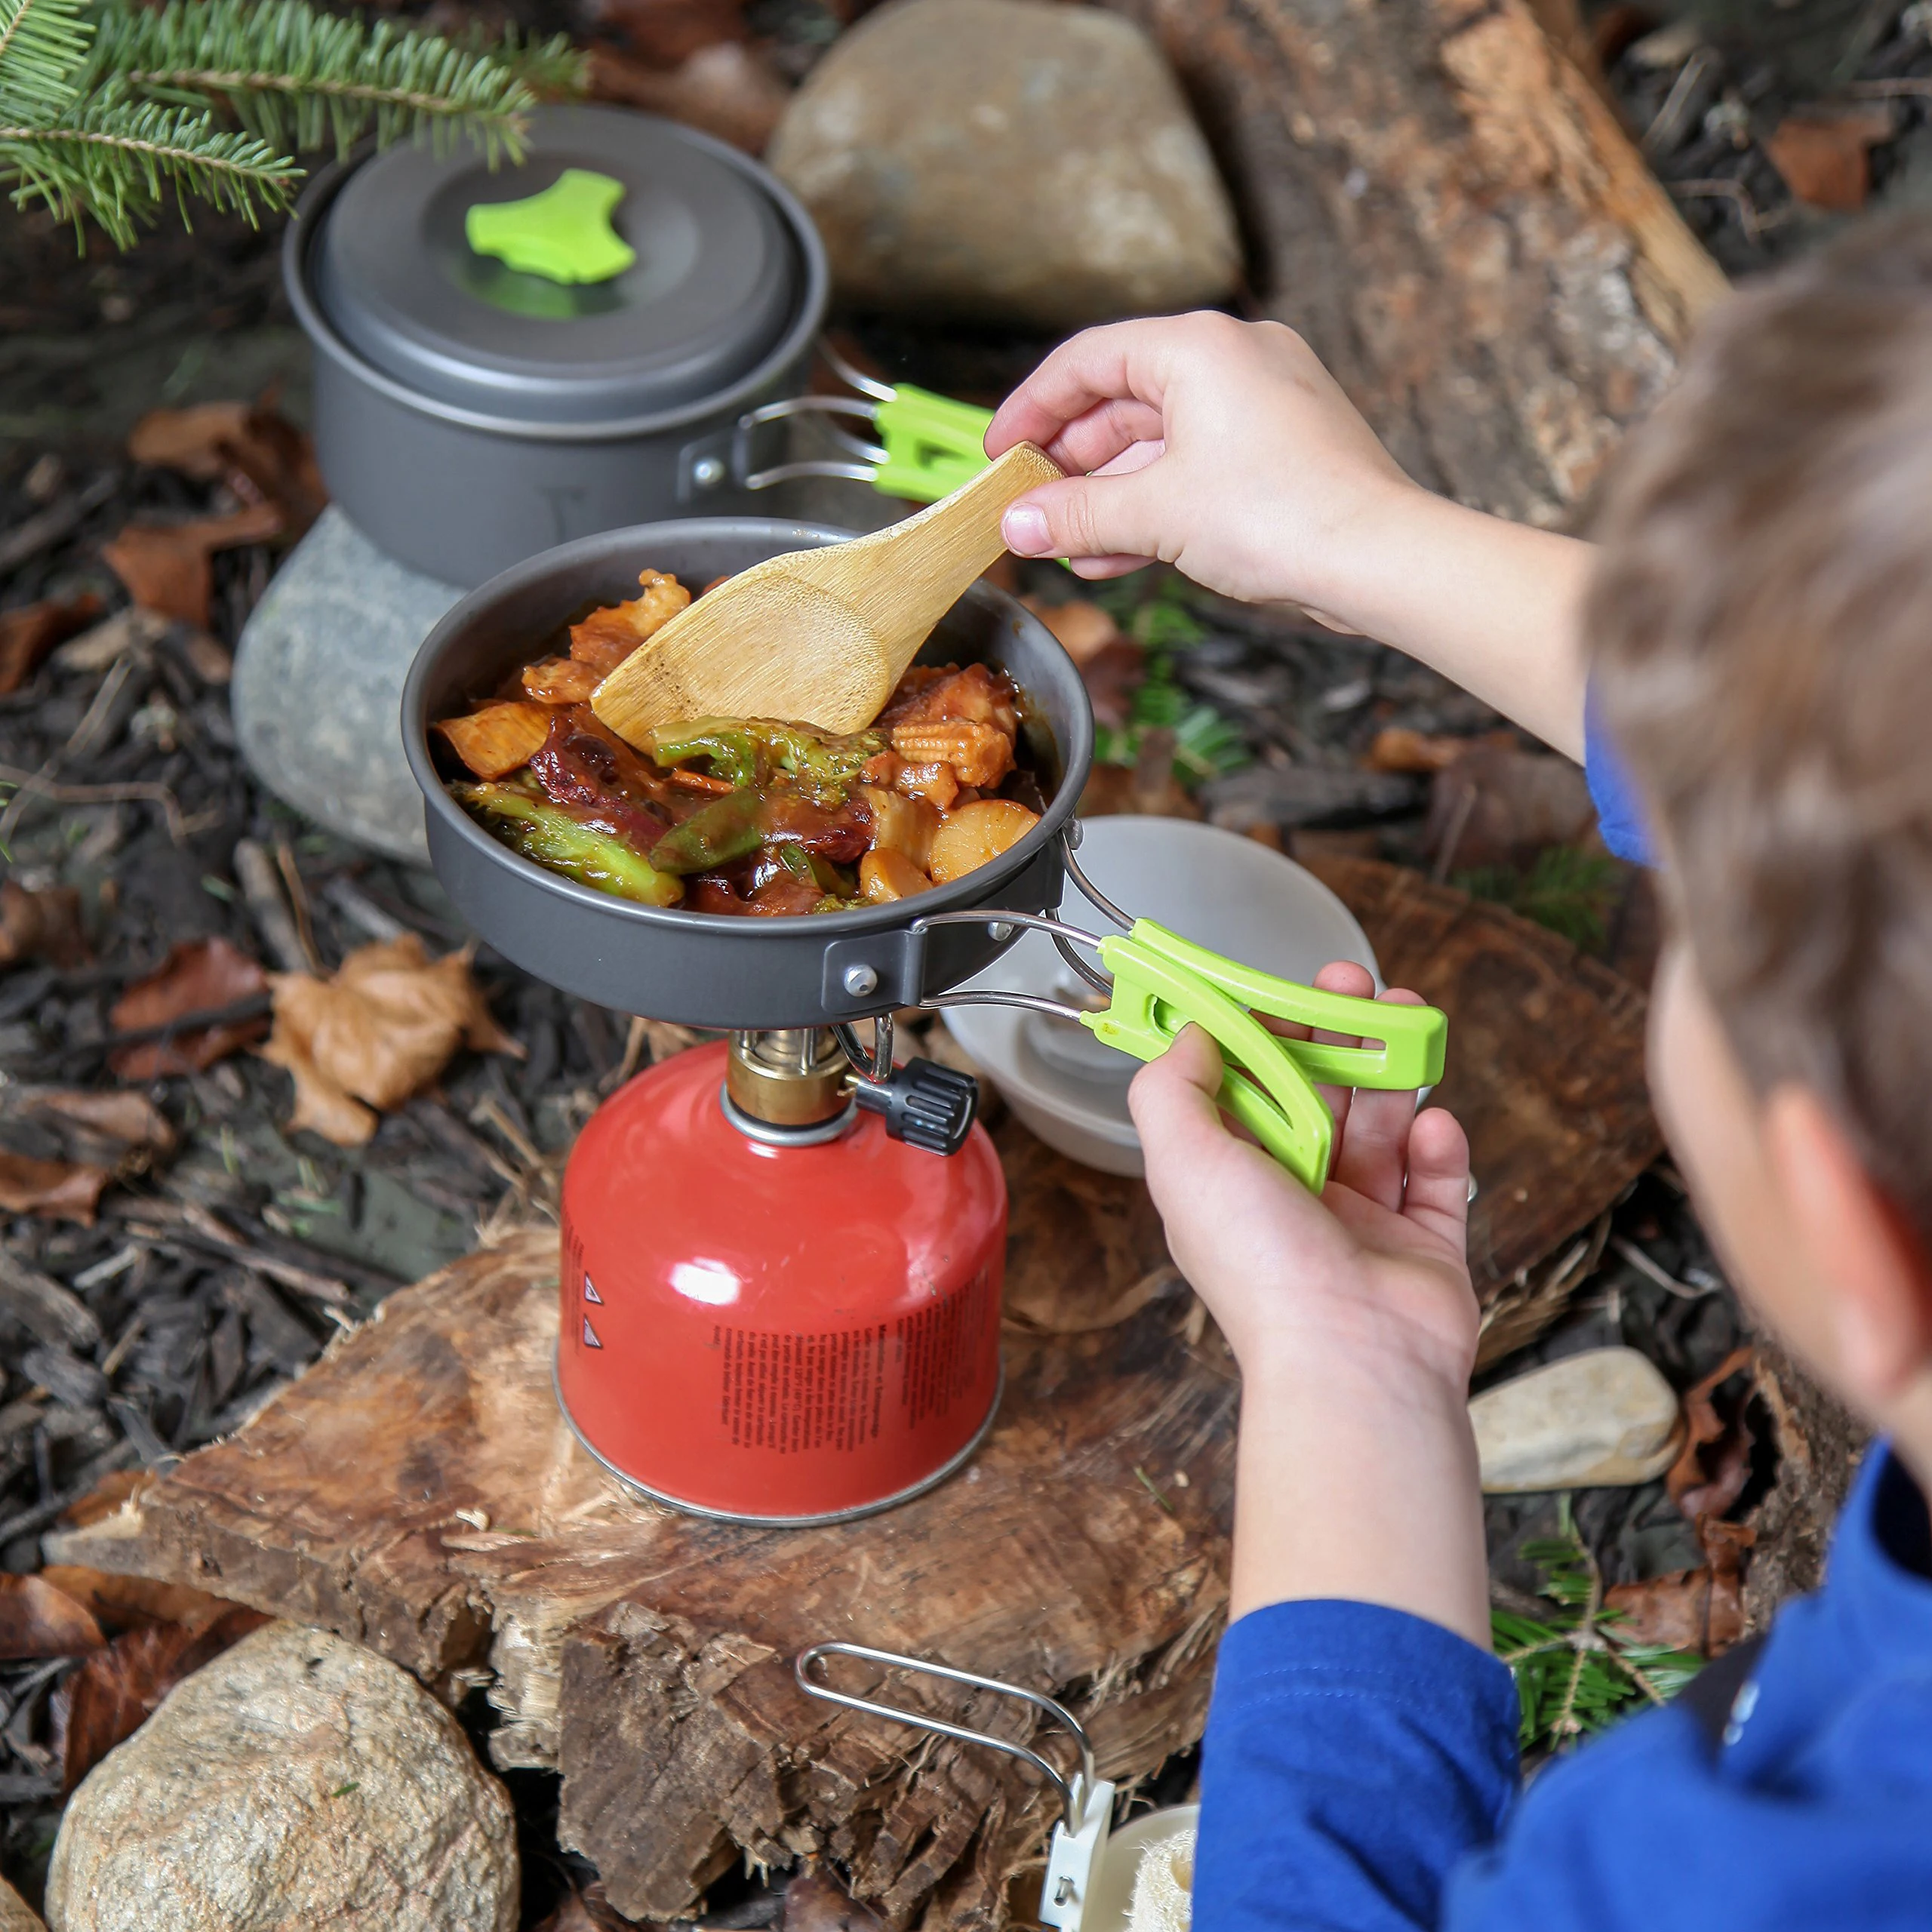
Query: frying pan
x: 711, y: 970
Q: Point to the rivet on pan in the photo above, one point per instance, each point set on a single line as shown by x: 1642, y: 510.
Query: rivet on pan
x: 860, y: 981
x: 708, y: 471
x: 1001, y: 931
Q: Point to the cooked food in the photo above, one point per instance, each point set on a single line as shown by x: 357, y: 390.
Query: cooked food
x: 749, y: 815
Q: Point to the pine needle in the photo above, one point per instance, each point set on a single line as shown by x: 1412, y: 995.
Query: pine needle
x: 41, y: 43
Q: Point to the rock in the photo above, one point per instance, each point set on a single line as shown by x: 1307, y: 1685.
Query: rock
x: 14, y: 1916
x: 1008, y: 161
x: 318, y: 691
x: 298, y: 1780
x: 1589, y: 1421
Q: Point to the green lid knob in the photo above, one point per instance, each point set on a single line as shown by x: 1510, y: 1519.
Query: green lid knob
x: 563, y: 234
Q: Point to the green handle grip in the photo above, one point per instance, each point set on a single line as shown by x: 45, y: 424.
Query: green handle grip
x: 932, y: 444
x: 1162, y: 982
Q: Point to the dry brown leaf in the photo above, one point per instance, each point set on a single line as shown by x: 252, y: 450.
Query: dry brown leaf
x: 27, y: 635
x: 61, y: 1190
x: 41, y: 925
x: 814, y: 1903
x: 727, y: 90
x: 1826, y: 159
x: 493, y: 742
x: 1084, y: 629
x: 1711, y: 1470
x: 380, y: 1030
x: 39, y: 1619
x: 131, y: 1603
x: 1690, y: 1609
x: 258, y: 453
x: 1397, y: 747
x: 667, y: 33
x: 125, y: 1116
x: 1112, y: 675
x: 1496, y: 805
x: 203, y: 976
x: 117, y: 1689
x: 165, y: 566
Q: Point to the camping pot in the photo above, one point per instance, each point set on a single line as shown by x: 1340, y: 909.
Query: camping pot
x: 509, y: 358
x: 707, y: 969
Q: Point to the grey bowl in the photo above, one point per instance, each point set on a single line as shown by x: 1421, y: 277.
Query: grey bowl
x: 706, y: 969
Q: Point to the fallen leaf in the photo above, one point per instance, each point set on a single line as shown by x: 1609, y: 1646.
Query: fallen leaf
x: 1689, y: 1610
x: 1826, y: 159
x: 1084, y: 629
x: 667, y: 33
x: 94, y: 650
x: 41, y: 925
x: 381, y: 1029
x: 39, y: 1619
x: 727, y: 91
x: 61, y: 1190
x: 165, y: 567
x: 588, y: 1911
x: 117, y: 1689
x: 258, y: 452
x: 1713, y: 1468
x: 1396, y: 748
x: 1496, y: 805
x: 127, y: 1116
x: 131, y: 1603
x: 27, y: 635
x: 200, y: 976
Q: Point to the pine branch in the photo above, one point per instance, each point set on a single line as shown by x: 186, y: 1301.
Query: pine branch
x: 41, y: 44
x: 114, y: 162
x: 303, y: 80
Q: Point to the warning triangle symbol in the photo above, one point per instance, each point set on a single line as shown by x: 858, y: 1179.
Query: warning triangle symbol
x: 590, y: 1340
x: 590, y: 1292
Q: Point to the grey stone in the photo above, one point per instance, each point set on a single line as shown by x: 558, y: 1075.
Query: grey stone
x: 1008, y: 161
x: 296, y: 1781
x: 317, y: 689
x: 1605, y: 1417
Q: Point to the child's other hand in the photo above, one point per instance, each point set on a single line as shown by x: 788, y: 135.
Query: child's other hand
x: 1377, y: 1266
x: 1354, y: 1325
x: 1221, y: 446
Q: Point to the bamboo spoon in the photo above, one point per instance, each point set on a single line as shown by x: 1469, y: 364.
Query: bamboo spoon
x: 820, y: 636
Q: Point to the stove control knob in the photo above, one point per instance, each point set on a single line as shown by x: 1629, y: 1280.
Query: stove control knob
x: 925, y: 1105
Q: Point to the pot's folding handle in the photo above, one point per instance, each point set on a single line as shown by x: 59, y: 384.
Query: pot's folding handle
x: 1162, y: 982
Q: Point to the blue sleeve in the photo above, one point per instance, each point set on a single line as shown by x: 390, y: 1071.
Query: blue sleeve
x: 1620, y: 818
x: 1353, y: 1754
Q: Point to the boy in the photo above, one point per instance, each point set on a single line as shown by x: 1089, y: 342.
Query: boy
x: 1758, y: 629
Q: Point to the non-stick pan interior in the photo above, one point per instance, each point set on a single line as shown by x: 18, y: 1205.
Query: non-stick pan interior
x: 705, y: 970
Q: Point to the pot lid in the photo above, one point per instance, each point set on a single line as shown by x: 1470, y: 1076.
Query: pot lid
x: 627, y: 268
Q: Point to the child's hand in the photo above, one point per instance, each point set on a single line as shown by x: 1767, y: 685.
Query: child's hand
x: 1223, y: 447
x: 1226, y: 448
x: 1354, y: 1325
x: 1378, y: 1264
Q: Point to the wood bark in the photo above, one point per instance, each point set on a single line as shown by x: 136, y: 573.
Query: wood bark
x: 1449, y: 210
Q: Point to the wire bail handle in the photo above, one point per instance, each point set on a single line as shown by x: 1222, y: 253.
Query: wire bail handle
x: 1087, y: 1800
x: 1156, y: 982
x: 927, y: 445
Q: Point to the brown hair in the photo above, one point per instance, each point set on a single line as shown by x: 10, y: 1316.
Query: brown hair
x: 1761, y: 633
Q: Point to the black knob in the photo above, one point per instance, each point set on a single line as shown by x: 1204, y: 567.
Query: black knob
x: 925, y: 1105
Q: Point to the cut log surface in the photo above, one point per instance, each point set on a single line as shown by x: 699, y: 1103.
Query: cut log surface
x: 418, y: 1491
x: 1439, y: 199
x: 1546, y: 1067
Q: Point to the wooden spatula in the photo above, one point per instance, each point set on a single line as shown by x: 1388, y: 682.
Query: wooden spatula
x: 821, y: 636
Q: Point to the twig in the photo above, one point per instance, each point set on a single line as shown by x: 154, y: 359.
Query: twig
x: 257, y: 1006
x: 1892, y: 89
x: 298, y: 901
x: 355, y: 905
x: 183, y: 1223
x: 1645, y: 1266
x: 1715, y: 187
x: 261, y: 892
x: 34, y: 784
x: 43, y: 1513
x: 635, y: 1039
x: 42, y: 532
x: 1664, y: 130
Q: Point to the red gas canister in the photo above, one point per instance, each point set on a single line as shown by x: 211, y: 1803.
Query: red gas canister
x: 781, y: 1333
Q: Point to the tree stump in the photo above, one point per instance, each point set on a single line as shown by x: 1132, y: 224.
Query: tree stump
x: 1443, y: 203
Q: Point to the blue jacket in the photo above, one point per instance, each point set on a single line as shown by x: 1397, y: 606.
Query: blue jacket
x: 1360, y: 1772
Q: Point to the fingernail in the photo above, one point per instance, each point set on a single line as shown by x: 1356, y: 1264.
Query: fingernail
x: 1024, y: 527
